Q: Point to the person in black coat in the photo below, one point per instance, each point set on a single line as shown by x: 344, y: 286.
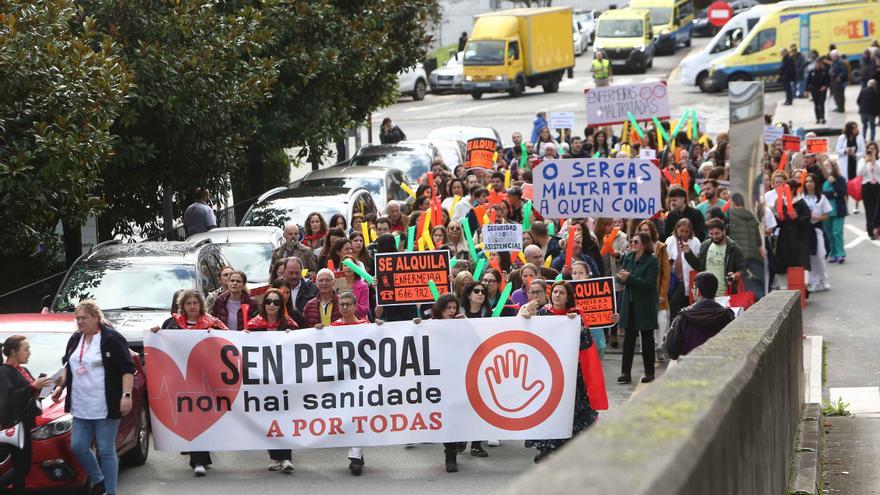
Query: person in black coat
x: 22, y: 392
x: 679, y: 208
x: 787, y: 76
x: 818, y: 82
x: 390, y: 133
x: 869, y: 108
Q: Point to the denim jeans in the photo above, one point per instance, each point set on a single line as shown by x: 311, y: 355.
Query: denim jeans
x: 103, y: 431
x: 868, y: 122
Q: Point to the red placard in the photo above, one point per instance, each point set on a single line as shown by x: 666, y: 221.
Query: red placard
x: 402, y: 278
x: 596, y: 300
x: 817, y: 145
x: 480, y: 153
x: 719, y: 13
x: 791, y: 143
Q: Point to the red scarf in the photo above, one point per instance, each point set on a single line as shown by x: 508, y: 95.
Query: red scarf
x: 260, y: 323
x: 311, y: 240
x: 203, y: 323
x: 591, y: 366
x: 340, y: 323
x: 781, y: 202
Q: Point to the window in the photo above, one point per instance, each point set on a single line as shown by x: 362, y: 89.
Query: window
x: 206, y: 274
x: 685, y: 10
x: 730, y: 40
x: 620, y: 28
x: 763, y: 40
x: 513, y: 50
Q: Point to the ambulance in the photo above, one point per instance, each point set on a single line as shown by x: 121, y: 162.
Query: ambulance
x: 672, y: 21
x: 851, y: 25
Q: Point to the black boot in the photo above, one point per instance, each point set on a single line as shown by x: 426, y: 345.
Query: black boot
x: 356, y: 466
x: 451, y: 464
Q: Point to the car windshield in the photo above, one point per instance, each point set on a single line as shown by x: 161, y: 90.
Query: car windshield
x: 620, y: 28
x: 484, y: 52
x: 45, y: 348
x: 450, y: 155
x: 661, y: 15
x: 374, y: 185
x: 253, y: 258
x: 412, y: 165
x: 123, y: 286
x: 277, y: 213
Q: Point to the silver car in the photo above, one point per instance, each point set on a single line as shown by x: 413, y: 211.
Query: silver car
x: 248, y: 249
x: 449, y: 78
x: 383, y: 183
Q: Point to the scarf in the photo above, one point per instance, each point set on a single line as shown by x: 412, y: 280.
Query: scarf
x: 781, y: 202
x: 204, y: 322
x: 311, y: 240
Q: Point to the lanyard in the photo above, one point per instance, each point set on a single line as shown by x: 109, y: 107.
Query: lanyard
x: 82, y: 349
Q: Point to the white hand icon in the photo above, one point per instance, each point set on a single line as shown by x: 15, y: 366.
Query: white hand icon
x: 507, y: 377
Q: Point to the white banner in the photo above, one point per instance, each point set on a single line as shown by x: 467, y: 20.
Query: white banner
x: 608, y: 105
x: 597, y: 187
x: 396, y: 383
x: 562, y: 120
x: 502, y: 237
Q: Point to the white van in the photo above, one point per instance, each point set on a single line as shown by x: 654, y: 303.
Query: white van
x: 695, y: 67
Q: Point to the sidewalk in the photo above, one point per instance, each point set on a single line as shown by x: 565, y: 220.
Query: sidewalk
x: 800, y: 114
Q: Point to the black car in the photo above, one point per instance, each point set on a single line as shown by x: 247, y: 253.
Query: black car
x: 133, y: 283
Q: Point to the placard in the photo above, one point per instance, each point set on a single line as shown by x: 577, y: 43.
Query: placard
x: 597, y: 187
x: 791, y: 143
x: 595, y: 297
x: 390, y: 384
x: 608, y: 105
x: 502, y: 237
x: 647, y: 153
x: 772, y: 133
x: 402, y: 278
x: 562, y: 120
x: 480, y: 152
x: 816, y: 145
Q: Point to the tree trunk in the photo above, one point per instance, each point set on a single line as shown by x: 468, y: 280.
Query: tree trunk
x: 168, y: 213
x: 72, y: 241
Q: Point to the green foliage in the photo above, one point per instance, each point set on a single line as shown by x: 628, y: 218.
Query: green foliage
x: 443, y: 53
x: 59, y: 94
x: 835, y: 408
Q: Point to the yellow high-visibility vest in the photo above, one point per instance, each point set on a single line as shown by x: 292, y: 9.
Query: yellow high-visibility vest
x: 601, y: 68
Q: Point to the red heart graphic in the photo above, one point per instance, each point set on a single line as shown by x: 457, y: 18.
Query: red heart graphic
x: 203, y: 372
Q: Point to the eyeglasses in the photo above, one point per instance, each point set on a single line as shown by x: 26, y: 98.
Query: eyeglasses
x: 272, y: 302
x: 478, y: 291
x: 454, y: 229
x: 489, y: 281
x: 634, y: 241
x: 345, y: 304
x: 536, y: 292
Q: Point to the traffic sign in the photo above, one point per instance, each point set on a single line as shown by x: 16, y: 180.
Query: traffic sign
x: 719, y: 13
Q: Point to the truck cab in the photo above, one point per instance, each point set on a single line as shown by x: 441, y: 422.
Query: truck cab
x: 672, y: 21
x: 626, y: 38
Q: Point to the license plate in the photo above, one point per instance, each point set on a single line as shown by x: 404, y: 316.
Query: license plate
x: 483, y: 85
x: 618, y: 62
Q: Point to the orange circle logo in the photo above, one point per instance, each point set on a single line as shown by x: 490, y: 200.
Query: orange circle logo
x: 512, y: 367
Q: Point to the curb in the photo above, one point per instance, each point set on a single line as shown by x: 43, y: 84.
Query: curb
x: 805, y: 474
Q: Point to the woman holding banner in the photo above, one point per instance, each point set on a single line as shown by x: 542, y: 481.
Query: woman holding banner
x: 446, y: 307
x: 562, y: 303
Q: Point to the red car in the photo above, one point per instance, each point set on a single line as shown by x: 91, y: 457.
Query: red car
x: 54, y: 465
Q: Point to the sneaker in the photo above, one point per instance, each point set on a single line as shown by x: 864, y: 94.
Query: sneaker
x: 287, y: 466
x: 493, y: 443
x: 624, y: 379
x: 855, y: 211
x: 833, y: 259
x: 356, y: 466
x: 647, y: 378
x: 200, y: 471
x: 841, y: 260
x: 274, y: 465
x: 479, y: 452
x: 826, y: 286
x: 98, y: 489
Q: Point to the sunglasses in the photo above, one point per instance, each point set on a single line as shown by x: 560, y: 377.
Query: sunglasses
x: 633, y: 242
x: 479, y: 291
x: 454, y: 229
x: 272, y: 302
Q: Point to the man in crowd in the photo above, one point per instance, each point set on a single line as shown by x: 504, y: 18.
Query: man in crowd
x: 577, y: 149
x: 746, y: 231
x: 324, y: 307
x: 710, y: 192
x: 698, y: 322
x: 509, y: 152
x: 719, y: 255
x: 199, y: 217
x: 839, y: 73
x: 292, y: 247
x: 301, y: 289
x: 787, y: 76
x: 679, y: 208
x: 601, y: 69
x: 399, y: 221
x: 548, y: 244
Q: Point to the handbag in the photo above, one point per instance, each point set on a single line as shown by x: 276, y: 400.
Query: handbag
x: 742, y: 298
x: 854, y: 188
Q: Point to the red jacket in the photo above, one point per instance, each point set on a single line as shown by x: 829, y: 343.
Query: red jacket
x: 219, y: 309
x: 204, y: 322
x: 312, y: 311
x: 259, y: 323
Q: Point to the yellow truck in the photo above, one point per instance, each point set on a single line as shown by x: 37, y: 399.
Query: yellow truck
x: 851, y: 25
x: 510, y: 50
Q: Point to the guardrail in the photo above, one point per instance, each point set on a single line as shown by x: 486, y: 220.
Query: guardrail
x: 723, y: 421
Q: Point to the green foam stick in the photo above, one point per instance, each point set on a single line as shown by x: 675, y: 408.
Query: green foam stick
x: 410, y: 238
x: 501, y: 300
x: 597, y: 154
x: 478, y: 271
x: 558, y: 278
x: 396, y: 241
x: 434, y: 291
x: 523, y: 155
x: 696, y: 124
x: 698, y: 189
x: 466, y: 226
x: 527, y: 216
x: 551, y: 228
x: 678, y: 126
x: 452, y: 261
x: 360, y: 271
x: 661, y: 129
x: 636, y: 126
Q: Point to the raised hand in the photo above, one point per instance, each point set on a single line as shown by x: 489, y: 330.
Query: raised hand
x: 507, y: 378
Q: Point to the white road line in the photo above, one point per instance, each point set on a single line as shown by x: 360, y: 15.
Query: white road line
x: 862, y: 400
x: 861, y: 236
x: 571, y: 82
x: 565, y: 105
x: 428, y: 107
x: 475, y: 109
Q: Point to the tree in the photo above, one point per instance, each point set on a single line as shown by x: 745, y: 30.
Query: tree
x: 59, y: 94
x: 198, y: 81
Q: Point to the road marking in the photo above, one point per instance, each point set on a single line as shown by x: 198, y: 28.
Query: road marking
x: 862, y: 400
x: 861, y: 236
x: 428, y: 107
x: 475, y: 109
x: 571, y: 82
x: 565, y: 105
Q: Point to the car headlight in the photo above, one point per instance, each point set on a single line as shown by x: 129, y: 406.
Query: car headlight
x: 54, y: 428
x: 499, y: 78
x: 468, y: 78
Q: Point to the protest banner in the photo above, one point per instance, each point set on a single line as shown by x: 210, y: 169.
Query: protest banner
x: 480, y: 152
x: 502, y: 237
x: 791, y: 143
x: 772, y: 133
x: 595, y: 297
x: 600, y: 187
x: 816, y: 145
x: 397, y: 383
x: 608, y: 105
x: 562, y: 120
x: 647, y: 154
x: 402, y: 278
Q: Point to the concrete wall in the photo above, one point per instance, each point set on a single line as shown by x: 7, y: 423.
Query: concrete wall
x: 721, y: 422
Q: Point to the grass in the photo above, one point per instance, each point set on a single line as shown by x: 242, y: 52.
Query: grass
x: 824, y: 359
x: 835, y: 408
x: 443, y: 54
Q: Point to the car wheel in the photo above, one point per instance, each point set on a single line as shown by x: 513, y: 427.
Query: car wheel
x: 688, y: 42
x: 704, y: 82
x: 739, y: 76
x: 419, y: 90
x: 551, y: 87
x: 518, y: 89
x: 137, y: 456
x: 477, y: 95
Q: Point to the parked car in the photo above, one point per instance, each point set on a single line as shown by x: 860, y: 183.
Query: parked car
x: 448, y: 79
x: 293, y: 204
x: 383, y: 183
x: 451, y: 150
x: 54, y: 466
x: 248, y: 249
x: 133, y: 282
x: 704, y: 29
x: 587, y: 18
x: 464, y: 133
x: 580, y: 38
x: 413, y: 82
x: 413, y: 159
